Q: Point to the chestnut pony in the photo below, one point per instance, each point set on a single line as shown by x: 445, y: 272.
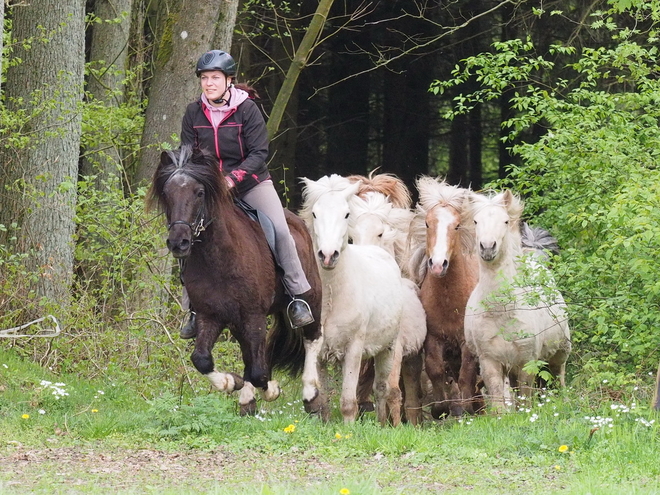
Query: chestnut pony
x: 232, y: 280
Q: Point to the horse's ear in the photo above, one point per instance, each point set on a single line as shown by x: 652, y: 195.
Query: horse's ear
x: 166, y: 158
x: 353, y: 189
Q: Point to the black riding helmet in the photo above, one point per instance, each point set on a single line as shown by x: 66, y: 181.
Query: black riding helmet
x: 216, y: 60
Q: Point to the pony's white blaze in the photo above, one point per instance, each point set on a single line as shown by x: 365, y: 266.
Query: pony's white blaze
x: 513, y: 316
x: 440, y: 251
x: 331, y: 214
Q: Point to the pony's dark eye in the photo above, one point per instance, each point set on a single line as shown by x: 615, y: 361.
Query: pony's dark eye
x: 313, y: 214
x: 427, y: 224
x: 200, y: 193
x: 475, y: 222
x: 347, y: 215
x: 507, y: 222
x: 380, y: 235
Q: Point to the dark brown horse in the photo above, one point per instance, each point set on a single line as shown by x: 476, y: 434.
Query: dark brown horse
x: 447, y: 274
x: 232, y: 279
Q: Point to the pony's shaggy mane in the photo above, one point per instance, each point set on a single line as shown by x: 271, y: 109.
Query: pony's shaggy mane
x: 388, y: 184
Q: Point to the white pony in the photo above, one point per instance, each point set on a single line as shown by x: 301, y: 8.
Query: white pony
x: 515, y: 314
x: 375, y: 221
x: 363, y: 295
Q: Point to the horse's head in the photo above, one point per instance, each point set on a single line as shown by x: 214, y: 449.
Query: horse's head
x: 441, y: 205
x: 496, y: 224
x: 326, y: 212
x: 186, y: 185
x: 370, y: 221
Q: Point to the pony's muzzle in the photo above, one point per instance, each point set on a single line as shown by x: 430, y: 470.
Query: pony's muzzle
x: 179, y: 247
x: 488, y: 251
x: 328, y: 262
x: 438, y: 269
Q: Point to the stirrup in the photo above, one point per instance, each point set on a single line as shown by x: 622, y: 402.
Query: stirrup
x: 302, y: 323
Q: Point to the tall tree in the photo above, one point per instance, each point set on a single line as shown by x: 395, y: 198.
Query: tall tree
x: 190, y: 31
x: 107, y: 68
x: 38, y: 179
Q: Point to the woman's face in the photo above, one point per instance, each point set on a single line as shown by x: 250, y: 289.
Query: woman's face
x: 214, y: 84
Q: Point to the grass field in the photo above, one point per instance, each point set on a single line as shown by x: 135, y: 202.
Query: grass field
x: 66, y: 435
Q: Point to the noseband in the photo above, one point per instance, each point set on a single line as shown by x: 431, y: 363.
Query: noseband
x: 197, y: 227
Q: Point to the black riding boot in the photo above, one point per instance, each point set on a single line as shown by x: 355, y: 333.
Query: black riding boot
x: 299, y: 312
x: 189, y: 331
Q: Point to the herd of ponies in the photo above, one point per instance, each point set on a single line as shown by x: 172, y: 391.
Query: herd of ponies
x: 433, y: 307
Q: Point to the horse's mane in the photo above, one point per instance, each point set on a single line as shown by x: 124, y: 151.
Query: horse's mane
x: 388, y: 184
x: 313, y: 190
x: 434, y: 192
x: 195, y: 163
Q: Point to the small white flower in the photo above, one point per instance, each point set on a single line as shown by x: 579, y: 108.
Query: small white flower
x: 5, y: 366
x: 41, y: 411
x: 184, y: 35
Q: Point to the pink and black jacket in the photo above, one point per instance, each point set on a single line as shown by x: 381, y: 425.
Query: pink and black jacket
x: 240, y: 141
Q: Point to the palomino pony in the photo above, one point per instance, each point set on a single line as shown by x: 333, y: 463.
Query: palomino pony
x: 232, y: 280
x: 515, y: 314
x: 362, y: 295
x: 447, y: 274
x: 375, y: 221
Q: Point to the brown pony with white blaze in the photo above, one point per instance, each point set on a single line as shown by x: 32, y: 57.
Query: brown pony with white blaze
x: 448, y: 274
x: 233, y: 282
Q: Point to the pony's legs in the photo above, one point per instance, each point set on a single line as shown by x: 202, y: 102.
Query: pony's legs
x: 393, y: 397
x: 387, y: 394
x: 314, y: 399
x: 350, y: 375
x: 436, y: 367
x: 467, y: 381
x: 497, y: 387
x: 411, y: 373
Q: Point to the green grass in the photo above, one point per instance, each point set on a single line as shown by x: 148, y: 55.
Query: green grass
x: 103, y: 437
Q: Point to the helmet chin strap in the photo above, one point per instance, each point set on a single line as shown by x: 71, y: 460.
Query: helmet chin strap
x: 222, y: 97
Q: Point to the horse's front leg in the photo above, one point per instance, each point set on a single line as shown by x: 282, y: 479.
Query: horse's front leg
x: 253, y: 342
x: 350, y: 375
x: 314, y: 398
x: 208, y: 332
x: 387, y: 394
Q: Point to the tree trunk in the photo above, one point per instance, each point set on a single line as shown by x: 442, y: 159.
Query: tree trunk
x: 2, y: 30
x: 39, y: 180
x: 189, y: 33
x: 108, y: 59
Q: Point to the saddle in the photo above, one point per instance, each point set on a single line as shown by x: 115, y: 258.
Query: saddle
x: 265, y: 222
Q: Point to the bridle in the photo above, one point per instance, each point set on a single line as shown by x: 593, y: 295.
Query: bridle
x: 197, y: 227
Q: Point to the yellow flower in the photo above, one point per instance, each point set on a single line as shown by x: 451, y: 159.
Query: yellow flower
x: 345, y: 491
x: 563, y: 448
x: 557, y: 467
x: 290, y: 429
x: 95, y: 410
x: 25, y: 416
x: 338, y: 436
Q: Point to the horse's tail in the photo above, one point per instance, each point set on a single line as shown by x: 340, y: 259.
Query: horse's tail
x: 286, y: 347
x: 538, y: 239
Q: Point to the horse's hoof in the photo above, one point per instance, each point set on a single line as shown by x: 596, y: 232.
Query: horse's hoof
x: 249, y: 409
x: 318, y: 406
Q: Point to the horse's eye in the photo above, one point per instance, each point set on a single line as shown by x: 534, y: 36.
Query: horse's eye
x: 507, y: 222
x: 380, y: 235
x: 350, y: 240
x: 427, y: 224
x: 346, y: 215
x: 475, y: 222
x: 200, y: 193
x: 313, y: 214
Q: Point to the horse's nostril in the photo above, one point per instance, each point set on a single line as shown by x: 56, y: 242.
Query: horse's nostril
x: 334, y: 256
x: 445, y: 264
x: 430, y: 262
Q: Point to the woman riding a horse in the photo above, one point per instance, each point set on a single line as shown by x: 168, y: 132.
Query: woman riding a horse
x: 227, y: 122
